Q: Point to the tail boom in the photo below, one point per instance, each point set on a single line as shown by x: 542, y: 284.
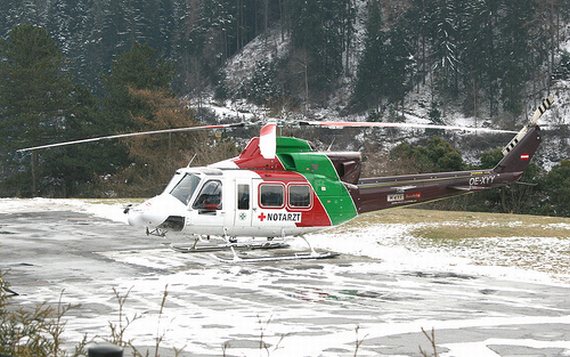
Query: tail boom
x: 373, y: 194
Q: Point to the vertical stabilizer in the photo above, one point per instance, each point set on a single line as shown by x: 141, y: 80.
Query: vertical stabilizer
x: 520, y: 150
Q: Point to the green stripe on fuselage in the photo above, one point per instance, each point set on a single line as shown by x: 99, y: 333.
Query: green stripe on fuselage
x: 297, y: 155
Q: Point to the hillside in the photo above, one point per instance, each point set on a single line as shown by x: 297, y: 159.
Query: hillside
x: 241, y: 69
x: 106, y: 67
x: 484, y: 60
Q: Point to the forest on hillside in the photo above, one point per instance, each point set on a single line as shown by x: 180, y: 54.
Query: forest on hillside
x: 81, y: 68
x: 483, y: 52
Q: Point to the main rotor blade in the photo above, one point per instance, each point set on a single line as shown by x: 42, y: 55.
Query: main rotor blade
x: 268, y: 141
x: 141, y: 133
x: 365, y: 124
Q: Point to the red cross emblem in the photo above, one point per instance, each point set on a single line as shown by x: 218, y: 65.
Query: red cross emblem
x: 262, y: 216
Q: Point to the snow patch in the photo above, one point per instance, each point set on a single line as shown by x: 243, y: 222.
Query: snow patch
x: 113, y: 212
x: 481, y: 349
x: 272, y: 46
x: 522, y: 259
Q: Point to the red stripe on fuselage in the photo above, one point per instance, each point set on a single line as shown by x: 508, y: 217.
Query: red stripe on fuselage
x: 273, y: 171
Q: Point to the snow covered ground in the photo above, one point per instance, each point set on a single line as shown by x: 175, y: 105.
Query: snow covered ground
x: 483, y: 297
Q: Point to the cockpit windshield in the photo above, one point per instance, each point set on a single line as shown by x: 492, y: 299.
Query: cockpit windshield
x: 184, y: 190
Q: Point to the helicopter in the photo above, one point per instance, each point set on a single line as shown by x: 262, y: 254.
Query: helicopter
x: 282, y: 187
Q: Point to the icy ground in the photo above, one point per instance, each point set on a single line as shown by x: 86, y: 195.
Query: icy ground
x: 489, y: 297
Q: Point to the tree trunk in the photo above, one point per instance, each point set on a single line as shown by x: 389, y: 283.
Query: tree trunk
x: 237, y: 23
x: 242, y: 25
x: 475, y: 99
x: 265, y: 15
x: 306, y: 78
x: 282, y: 19
x: 348, y: 39
x: 34, y: 178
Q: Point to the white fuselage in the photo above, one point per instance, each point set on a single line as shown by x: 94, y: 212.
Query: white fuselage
x: 234, y: 209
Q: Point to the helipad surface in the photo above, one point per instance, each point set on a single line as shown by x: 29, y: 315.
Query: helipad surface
x: 384, y: 282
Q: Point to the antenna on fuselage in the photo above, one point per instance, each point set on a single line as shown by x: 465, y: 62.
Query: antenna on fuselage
x: 331, y: 144
x: 192, y: 159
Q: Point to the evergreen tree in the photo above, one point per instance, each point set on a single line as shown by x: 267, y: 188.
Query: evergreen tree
x: 167, y: 24
x: 137, y: 69
x: 387, y: 67
x: 444, y: 37
x: 16, y: 12
x: 316, y: 30
x: 516, y: 61
x: 370, y: 82
x: 216, y: 29
x: 263, y: 88
x: 36, y: 99
x: 115, y: 34
x: 401, y: 65
x: 69, y: 22
x: 416, y: 24
x: 435, y: 155
x: 479, y: 55
x: 74, y: 169
x: 557, y: 188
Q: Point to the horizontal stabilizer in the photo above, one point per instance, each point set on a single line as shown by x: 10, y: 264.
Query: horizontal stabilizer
x: 470, y: 188
x: 404, y: 188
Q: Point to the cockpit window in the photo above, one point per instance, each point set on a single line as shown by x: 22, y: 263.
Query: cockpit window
x: 210, y: 197
x: 184, y: 190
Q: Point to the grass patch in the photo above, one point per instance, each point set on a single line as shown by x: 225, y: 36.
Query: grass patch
x: 462, y: 232
x: 460, y: 225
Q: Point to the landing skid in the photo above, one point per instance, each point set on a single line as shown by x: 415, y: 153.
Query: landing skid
x: 312, y: 254
x: 297, y: 256
x: 195, y: 248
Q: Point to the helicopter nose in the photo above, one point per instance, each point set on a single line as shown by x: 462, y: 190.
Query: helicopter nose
x: 134, y: 217
x: 151, y: 213
x: 145, y: 218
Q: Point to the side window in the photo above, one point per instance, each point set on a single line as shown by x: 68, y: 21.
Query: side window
x: 299, y: 196
x: 271, y: 196
x: 210, y: 197
x: 243, y: 197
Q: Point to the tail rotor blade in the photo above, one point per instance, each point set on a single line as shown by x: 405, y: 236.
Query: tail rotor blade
x: 268, y: 141
x: 542, y: 108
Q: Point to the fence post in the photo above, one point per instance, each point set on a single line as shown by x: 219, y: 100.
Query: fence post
x: 105, y: 350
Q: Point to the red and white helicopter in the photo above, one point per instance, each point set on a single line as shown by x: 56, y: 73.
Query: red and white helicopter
x: 281, y: 186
